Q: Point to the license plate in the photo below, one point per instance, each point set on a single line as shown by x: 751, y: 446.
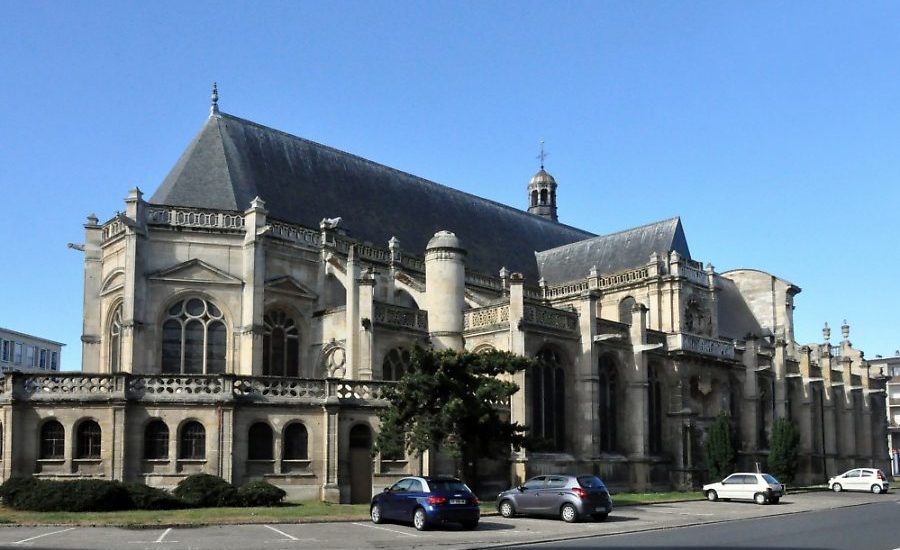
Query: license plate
x: 600, y: 509
x: 457, y: 501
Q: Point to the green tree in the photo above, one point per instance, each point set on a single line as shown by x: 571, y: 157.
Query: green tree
x: 448, y: 400
x: 720, y: 452
x: 783, y: 450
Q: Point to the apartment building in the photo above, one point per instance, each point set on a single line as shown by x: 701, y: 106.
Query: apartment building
x: 24, y: 352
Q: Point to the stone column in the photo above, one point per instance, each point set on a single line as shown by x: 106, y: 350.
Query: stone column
x: 352, y: 324
x: 586, y: 387
x: 750, y: 412
x: 445, y: 287
x: 779, y: 365
x: 636, y: 415
x: 93, y: 278
x: 133, y: 306
x: 118, y: 442
x: 331, y: 490
x: 366, y: 316
x: 253, y: 294
x: 519, y: 410
x: 828, y: 402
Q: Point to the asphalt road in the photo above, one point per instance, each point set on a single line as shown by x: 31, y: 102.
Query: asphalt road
x: 867, y: 527
x: 659, y: 520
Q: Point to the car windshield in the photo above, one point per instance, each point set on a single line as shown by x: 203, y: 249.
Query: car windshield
x: 591, y: 482
x: 769, y: 479
x: 447, y: 485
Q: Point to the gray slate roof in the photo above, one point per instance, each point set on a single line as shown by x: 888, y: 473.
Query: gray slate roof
x: 613, y: 253
x: 233, y: 160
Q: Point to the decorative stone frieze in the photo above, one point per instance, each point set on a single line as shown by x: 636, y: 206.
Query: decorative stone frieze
x: 400, y: 317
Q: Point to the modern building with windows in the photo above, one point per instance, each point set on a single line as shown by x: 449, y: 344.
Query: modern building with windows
x: 891, y: 367
x: 24, y: 352
x: 243, y: 320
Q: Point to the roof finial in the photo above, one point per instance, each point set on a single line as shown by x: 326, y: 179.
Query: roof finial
x: 214, y: 107
x: 543, y: 155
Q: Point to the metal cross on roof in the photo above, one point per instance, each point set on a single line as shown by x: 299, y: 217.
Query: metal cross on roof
x: 543, y: 155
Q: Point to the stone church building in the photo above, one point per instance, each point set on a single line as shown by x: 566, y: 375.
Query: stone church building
x: 243, y: 320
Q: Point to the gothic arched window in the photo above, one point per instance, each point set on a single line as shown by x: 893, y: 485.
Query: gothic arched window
x: 115, y: 340
x: 608, y: 382
x: 534, y: 198
x: 655, y: 409
x: 156, y: 440
x: 396, y: 364
x: 543, y: 197
x: 53, y: 440
x: 281, y: 345
x: 193, y: 441
x: 548, y: 398
x: 296, y: 442
x: 88, y: 440
x: 626, y: 307
x: 259, y: 442
x: 194, y: 338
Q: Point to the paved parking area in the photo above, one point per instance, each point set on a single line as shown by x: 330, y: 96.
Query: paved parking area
x: 492, y: 531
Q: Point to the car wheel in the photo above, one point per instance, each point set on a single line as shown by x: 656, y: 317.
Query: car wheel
x: 568, y: 513
x: 507, y: 509
x: 600, y: 517
x: 837, y: 488
x: 469, y: 525
x: 760, y: 498
x: 712, y: 496
x: 877, y: 489
x: 375, y: 513
x: 420, y: 521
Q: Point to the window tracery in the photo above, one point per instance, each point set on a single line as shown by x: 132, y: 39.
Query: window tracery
x: 194, y: 339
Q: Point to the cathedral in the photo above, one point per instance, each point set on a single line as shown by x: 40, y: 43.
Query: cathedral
x: 244, y: 319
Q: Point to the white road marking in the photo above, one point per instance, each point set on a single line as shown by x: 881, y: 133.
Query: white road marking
x: 44, y: 535
x: 384, y: 529
x: 161, y: 537
x: 157, y: 541
x: 290, y: 537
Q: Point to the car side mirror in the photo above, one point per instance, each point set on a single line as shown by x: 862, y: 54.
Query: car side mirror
x: 387, y: 490
x: 521, y: 488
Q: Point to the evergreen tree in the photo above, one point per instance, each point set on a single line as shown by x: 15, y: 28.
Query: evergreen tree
x: 720, y: 452
x: 448, y: 400
x: 783, y: 452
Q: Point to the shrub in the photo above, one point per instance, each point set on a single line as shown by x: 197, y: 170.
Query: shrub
x: 783, y: 452
x: 80, y: 495
x: 260, y: 493
x: 204, y: 490
x: 149, y: 498
x: 13, y: 487
x: 720, y: 451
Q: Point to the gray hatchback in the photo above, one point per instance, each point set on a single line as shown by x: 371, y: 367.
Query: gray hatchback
x: 569, y: 497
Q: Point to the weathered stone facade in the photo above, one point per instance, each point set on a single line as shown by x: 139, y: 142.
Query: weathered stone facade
x: 249, y: 346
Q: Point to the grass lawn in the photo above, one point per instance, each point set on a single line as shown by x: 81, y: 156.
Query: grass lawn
x: 296, y: 512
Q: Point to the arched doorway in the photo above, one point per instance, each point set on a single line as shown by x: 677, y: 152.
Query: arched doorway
x: 360, y: 464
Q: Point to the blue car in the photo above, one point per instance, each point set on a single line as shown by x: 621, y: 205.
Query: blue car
x: 427, y: 501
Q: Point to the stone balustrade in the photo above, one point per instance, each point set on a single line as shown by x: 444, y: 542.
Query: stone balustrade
x: 550, y: 317
x: 623, y: 278
x: 156, y: 388
x: 400, y: 317
x: 694, y: 275
x: 192, y: 217
x: 723, y: 349
x: 295, y: 234
x: 113, y: 228
x: 486, y: 317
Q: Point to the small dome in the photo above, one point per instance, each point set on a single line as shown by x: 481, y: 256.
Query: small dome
x: 542, y: 178
x: 444, y: 239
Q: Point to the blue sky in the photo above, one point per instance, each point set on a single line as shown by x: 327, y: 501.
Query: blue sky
x: 771, y: 128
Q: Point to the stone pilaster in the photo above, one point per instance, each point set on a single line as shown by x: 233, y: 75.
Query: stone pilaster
x: 636, y: 412
x: 253, y: 297
x: 750, y: 412
x: 91, y: 331
x: 830, y: 429
x: 366, y: 314
x: 804, y: 408
x: 331, y: 490
x: 779, y: 366
x: 133, y: 306
x: 352, y: 320
x: 519, y: 407
x: 586, y: 388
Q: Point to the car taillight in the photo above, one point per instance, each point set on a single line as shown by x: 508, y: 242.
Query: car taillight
x: 880, y: 475
x: 436, y: 501
x: 475, y: 501
x: 579, y: 492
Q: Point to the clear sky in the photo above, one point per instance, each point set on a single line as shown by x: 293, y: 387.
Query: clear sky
x: 771, y: 128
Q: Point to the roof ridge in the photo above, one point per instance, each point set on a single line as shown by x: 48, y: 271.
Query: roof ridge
x: 524, y: 213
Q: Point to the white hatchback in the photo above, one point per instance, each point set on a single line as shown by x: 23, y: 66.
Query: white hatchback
x: 860, y: 479
x: 760, y: 488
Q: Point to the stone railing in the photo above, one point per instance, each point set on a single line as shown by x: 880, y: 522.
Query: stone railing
x: 694, y: 275
x: 192, y: 217
x: 549, y: 317
x: 113, y: 228
x: 412, y: 263
x: 400, y: 317
x: 295, y: 233
x: 483, y: 281
x: 200, y: 388
x: 623, y: 278
x: 566, y: 289
x: 702, y: 345
x: 485, y: 317
x: 363, y: 251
